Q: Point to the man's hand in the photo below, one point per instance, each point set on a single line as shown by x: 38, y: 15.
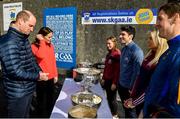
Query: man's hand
x: 39, y: 36
x: 129, y: 103
x: 43, y: 76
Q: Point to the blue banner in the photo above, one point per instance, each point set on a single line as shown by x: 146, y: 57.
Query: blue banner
x: 130, y: 16
x: 63, y: 23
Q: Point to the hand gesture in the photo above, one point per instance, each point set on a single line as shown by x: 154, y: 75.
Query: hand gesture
x: 39, y: 36
x: 129, y: 103
x: 43, y: 76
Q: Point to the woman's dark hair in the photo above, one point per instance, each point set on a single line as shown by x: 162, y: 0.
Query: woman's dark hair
x: 44, y: 31
x: 130, y: 30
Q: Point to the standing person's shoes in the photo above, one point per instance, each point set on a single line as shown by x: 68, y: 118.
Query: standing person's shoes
x: 115, y: 117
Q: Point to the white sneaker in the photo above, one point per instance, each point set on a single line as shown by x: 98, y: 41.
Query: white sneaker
x: 118, y: 97
x: 115, y: 117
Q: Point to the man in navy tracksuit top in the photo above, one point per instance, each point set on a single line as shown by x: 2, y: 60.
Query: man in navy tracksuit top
x: 130, y: 62
x: 163, y: 88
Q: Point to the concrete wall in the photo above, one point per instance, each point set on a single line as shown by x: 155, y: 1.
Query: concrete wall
x: 91, y: 39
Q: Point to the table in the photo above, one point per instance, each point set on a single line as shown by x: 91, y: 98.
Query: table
x: 64, y: 103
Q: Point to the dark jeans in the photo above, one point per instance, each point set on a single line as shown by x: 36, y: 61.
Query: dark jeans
x: 45, y: 101
x: 19, y: 107
x: 111, y: 97
x: 124, y: 95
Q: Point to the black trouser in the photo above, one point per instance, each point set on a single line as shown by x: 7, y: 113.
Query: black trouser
x: 139, y: 108
x: 45, y: 102
x: 124, y: 95
x: 111, y: 97
x: 18, y: 107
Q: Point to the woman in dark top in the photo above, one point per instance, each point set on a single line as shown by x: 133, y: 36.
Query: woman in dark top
x: 157, y: 46
x: 111, y: 73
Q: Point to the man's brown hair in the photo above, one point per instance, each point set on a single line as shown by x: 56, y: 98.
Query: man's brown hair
x: 171, y: 8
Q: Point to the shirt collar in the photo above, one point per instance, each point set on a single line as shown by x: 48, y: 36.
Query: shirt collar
x: 130, y: 44
x: 174, y: 41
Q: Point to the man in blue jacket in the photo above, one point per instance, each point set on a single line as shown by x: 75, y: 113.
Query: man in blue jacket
x: 163, y: 88
x: 130, y: 62
x: 19, y: 69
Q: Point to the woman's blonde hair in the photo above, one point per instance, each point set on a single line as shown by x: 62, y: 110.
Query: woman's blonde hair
x: 162, y: 46
x: 114, y: 40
